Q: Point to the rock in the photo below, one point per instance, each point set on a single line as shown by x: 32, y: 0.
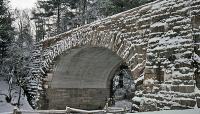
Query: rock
x: 198, y: 102
x: 183, y: 88
x: 124, y: 104
x: 187, y: 102
x: 148, y: 106
x: 179, y: 107
x: 120, y: 94
x: 186, y: 88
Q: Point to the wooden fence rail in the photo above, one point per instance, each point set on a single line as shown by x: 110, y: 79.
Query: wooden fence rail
x: 69, y: 110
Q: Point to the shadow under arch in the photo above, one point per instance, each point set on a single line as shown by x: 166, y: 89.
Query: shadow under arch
x: 82, y: 78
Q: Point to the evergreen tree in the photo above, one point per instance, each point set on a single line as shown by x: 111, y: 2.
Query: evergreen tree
x: 53, y: 17
x: 123, y: 5
x: 105, y: 8
x: 6, y: 29
x: 39, y: 24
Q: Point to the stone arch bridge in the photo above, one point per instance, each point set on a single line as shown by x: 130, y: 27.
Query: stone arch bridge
x: 159, y: 39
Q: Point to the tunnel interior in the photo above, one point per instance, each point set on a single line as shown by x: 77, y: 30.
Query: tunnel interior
x: 85, y: 78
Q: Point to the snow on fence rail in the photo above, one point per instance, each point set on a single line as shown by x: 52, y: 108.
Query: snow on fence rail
x: 68, y: 110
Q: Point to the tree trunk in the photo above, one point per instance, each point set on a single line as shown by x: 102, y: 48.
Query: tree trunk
x: 20, y: 91
x: 121, y: 80
x: 84, y: 8
x: 9, y: 97
x: 58, y: 16
x: 9, y: 93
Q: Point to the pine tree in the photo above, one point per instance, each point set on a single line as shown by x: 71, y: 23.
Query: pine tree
x: 39, y: 24
x: 123, y: 5
x: 53, y: 17
x: 6, y: 29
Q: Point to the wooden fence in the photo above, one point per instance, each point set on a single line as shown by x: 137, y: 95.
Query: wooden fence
x: 68, y: 110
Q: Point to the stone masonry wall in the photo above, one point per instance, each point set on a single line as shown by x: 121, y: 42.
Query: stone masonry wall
x: 159, y: 39
x: 74, y: 97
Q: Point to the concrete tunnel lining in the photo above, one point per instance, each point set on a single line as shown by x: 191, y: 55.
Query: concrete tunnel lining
x: 86, y: 67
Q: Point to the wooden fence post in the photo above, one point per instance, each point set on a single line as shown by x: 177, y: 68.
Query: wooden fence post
x: 67, y: 110
x: 125, y: 109
x: 15, y: 110
x: 107, y: 108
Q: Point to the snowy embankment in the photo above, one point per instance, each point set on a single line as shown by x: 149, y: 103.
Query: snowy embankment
x: 189, y: 111
x: 8, y: 107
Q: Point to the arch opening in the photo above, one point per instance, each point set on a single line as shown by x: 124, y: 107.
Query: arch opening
x: 83, y: 78
x: 122, y: 87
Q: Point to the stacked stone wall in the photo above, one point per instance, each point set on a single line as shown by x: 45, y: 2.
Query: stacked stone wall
x: 159, y: 39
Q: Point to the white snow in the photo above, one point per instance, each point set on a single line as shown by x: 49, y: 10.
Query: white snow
x: 140, y: 78
x: 123, y: 104
x: 8, y: 107
x: 158, y: 24
x: 189, y: 111
x: 196, y: 58
x: 158, y: 5
x: 1, y: 40
x: 137, y: 99
x: 148, y: 81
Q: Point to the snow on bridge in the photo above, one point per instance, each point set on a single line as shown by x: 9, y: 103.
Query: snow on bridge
x: 158, y: 39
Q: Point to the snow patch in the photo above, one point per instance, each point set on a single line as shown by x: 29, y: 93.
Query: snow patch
x: 189, y: 111
x: 8, y: 107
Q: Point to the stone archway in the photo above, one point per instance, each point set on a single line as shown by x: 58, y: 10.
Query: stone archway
x: 82, y: 78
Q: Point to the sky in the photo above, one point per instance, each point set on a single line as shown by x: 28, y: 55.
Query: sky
x: 22, y: 4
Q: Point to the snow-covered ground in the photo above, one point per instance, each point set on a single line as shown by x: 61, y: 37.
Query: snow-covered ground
x: 8, y: 107
x: 189, y: 111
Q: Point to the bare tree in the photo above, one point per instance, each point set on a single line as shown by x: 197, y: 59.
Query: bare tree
x: 20, y: 50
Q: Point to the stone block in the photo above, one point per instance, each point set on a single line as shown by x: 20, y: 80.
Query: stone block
x: 85, y: 98
x: 176, y: 82
x: 186, y: 102
x: 178, y: 107
x: 148, y: 71
x: 148, y: 106
x: 196, y: 21
x: 197, y: 78
x: 136, y: 73
x: 149, y: 76
x: 183, y: 88
x: 158, y: 29
x: 157, y: 18
x: 145, y: 9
